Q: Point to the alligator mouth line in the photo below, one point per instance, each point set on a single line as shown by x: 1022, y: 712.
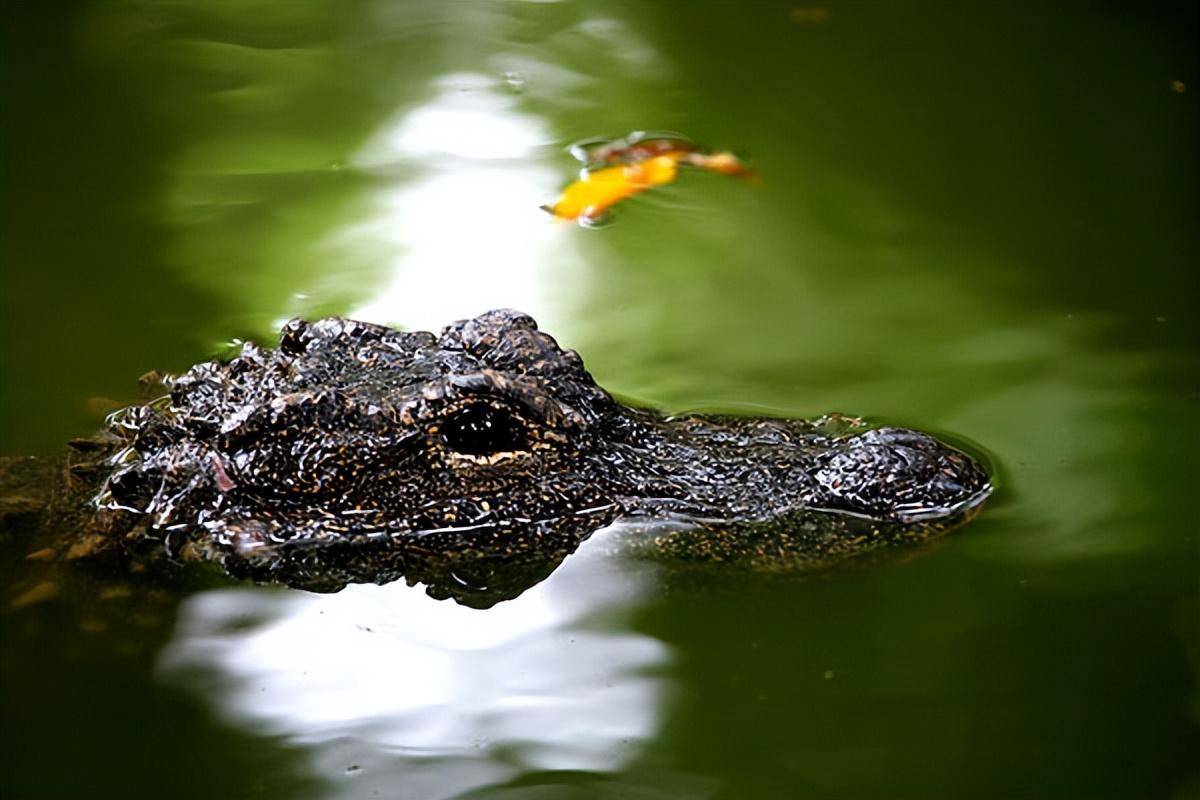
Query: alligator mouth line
x: 970, y: 506
x: 245, y: 545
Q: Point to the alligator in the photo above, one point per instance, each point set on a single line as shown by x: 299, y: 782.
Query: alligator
x: 475, y: 461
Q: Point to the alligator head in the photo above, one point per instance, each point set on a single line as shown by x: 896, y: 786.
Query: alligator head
x: 476, y: 460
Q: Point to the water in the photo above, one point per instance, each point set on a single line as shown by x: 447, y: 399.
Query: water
x: 976, y: 221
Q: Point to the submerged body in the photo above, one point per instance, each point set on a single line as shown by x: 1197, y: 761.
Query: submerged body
x: 476, y: 460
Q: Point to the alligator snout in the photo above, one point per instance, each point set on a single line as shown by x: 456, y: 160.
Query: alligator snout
x: 901, y: 475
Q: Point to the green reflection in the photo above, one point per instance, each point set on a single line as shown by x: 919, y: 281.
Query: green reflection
x: 978, y: 220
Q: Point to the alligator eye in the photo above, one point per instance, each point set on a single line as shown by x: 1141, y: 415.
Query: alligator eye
x: 480, y: 430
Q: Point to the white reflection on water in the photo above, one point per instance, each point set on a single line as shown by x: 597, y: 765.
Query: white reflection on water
x: 389, y: 689
x: 467, y: 235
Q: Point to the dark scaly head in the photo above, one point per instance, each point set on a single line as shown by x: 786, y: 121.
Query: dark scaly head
x: 354, y: 452
x: 357, y: 453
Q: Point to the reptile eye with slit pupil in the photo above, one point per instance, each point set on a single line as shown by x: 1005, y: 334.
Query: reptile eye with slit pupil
x: 481, y: 430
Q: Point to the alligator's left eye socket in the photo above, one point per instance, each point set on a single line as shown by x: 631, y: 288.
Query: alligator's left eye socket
x: 481, y: 430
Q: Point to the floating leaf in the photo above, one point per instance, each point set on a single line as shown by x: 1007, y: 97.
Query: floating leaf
x: 619, y: 168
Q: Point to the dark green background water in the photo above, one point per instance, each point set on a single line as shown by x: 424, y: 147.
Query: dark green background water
x: 978, y: 219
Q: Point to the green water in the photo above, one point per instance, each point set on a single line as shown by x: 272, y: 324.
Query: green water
x: 975, y: 219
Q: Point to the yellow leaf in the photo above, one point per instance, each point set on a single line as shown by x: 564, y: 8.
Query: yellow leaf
x: 597, y: 190
x: 637, y: 165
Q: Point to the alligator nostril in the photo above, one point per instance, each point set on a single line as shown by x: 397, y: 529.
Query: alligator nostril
x: 892, y: 473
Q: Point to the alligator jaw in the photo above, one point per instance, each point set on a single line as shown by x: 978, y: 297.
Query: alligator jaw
x: 749, y: 470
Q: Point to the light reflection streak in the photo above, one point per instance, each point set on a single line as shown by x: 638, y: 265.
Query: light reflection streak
x: 386, y: 688
x: 466, y: 697
x: 468, y: 234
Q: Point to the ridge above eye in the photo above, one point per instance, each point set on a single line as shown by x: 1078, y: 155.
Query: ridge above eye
x: 481, y: 429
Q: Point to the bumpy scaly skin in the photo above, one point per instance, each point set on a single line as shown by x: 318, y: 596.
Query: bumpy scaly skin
x: 340, y: 457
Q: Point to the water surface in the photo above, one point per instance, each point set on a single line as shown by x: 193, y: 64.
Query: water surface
x: 975, y: 221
